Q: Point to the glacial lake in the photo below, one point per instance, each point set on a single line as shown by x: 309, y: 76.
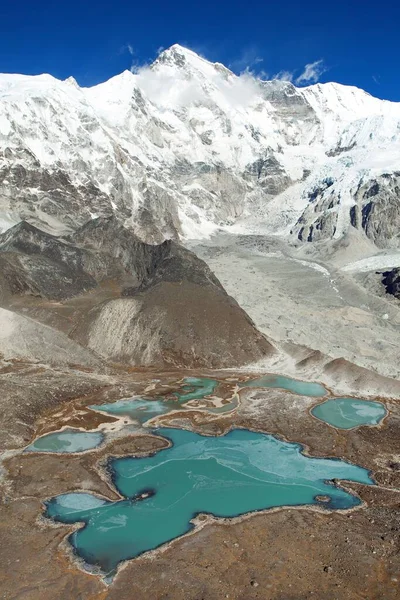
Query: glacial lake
x: 198, y: 388
x: 346, y: 413
x: 142, y: 410
x: 304, y: 388
x: 227, y: 476
x: 67, y: 441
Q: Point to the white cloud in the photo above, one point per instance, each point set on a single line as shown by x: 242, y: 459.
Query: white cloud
x: 174, y: 87
x: 248, y: 59
x: 312, y: 72
x: 136, y: 66
x: 135, y: 63
x: 284, y: 76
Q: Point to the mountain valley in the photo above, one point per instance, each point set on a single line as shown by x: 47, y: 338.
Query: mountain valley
x: 186, y: 239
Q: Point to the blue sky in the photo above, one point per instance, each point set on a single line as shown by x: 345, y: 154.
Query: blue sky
x: 356, y: 42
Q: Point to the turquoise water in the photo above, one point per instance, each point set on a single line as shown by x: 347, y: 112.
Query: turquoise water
x: 139, y: 409
x: 303, y: 388
x: 142, y: 410
x: 66, y: 441
x: 226, y: 476
x: 346, y: 413
x: 197, y: 388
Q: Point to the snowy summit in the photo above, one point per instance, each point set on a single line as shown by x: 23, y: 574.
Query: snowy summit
x: 185, y: 146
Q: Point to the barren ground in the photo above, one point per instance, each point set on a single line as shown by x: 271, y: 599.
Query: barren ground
x: 307, y: 301
x: 288, y: 554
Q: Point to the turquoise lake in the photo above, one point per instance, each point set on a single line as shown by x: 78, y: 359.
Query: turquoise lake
x: 346, y: 413
x: 296, y: 386
x: 142, y: 410
x: 197, y: 388
x: 226, y: 476
x: 67, y: 441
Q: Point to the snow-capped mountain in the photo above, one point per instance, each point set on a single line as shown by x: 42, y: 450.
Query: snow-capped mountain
x: 186, y: 146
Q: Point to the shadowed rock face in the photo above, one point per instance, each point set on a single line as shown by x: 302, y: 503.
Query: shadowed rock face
x: 378, y: 215
x: 391, y: 281
x: 169, y: 308
x: 39, y: 264
x: 146, y: 263
x: 375, y: 211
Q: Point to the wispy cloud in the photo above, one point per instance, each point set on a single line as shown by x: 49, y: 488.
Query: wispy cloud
x: 284, y: 75
x: 135, y: 63
x: 312, y: 72
x: 127, y: 48
x: 249, y: 61
x: 376, y: 78
x: 246, y: 61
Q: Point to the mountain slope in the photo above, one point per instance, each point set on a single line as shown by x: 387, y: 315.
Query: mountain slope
x: 126, y: 301
x: 22, y: 338
x: 185, y: 146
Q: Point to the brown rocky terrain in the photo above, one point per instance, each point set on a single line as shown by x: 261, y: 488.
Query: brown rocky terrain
x: 123, y: 300
x: 100, y: 316
x: 276, y: 555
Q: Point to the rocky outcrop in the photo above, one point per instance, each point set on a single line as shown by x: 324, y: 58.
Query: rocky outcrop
x: 378, y: 212
x: 35, y: 263
x: 174, y: 323
x: 391, y: 281
x: 372, y: 209
x: 269, y: 174
x: 178, y: 314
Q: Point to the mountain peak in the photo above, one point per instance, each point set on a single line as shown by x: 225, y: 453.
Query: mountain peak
x: 178, y: 56
x: 72, y: 82
x: 177, y: 52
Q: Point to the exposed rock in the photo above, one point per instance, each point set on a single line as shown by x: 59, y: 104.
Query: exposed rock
x: 37, y: 263
x: 374, y: 212
x: 391, y: 281
x: 379, y: 200
x: 269, y: 174
x: 340, y: 149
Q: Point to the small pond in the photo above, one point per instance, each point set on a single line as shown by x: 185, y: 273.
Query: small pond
x: 144, y: 409
x: 67, y: 441
x: 304, y: 388
x: 346, y: 413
